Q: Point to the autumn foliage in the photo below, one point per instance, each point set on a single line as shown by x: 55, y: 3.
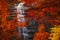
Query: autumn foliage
x: 7, y: 27
x: 44, y: 11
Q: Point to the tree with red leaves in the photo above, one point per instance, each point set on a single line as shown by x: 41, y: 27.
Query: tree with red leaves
x: 7, y: 26
x: 41, y: 34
